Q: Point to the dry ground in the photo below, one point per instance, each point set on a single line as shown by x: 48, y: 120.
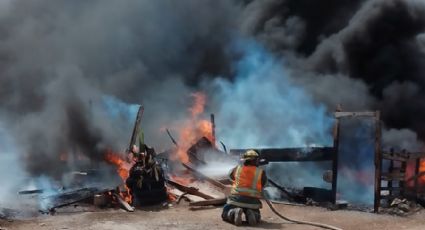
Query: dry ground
x: 181, y: 217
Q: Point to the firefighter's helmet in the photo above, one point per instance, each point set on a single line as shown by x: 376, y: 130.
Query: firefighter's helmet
x: 250, y: 155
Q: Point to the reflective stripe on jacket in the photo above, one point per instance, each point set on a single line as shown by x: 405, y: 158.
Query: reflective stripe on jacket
x: 247, y: 181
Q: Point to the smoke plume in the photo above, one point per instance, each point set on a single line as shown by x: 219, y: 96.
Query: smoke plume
x: 72, y: 72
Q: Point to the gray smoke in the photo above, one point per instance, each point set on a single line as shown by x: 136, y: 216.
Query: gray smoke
x: 59, y: 60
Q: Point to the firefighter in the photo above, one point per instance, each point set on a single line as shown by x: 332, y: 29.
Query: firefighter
x: 248, y: 182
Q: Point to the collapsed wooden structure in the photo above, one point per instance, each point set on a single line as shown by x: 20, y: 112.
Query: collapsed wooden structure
x: 401, y: 182
x: 390, y: 167
x: 393, y: 175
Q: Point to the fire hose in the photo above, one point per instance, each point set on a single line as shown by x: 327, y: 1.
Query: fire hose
x: 298, y: 221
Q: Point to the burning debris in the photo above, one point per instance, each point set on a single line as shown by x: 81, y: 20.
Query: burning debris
x: 271, y: 70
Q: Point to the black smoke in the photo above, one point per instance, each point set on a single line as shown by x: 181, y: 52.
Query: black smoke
x: 59, y: 59
x: 366, y: 55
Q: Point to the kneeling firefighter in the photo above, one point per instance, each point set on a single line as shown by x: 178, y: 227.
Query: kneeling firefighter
x: 248, y: 182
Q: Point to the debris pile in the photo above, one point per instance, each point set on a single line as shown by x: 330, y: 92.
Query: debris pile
x: 401, y: 207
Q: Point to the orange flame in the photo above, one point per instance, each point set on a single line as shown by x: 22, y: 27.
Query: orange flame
x: 421, y: 169
x: 63, y: 156
x: 123, y: 170
x: 194, y: 128
x: 199, y: 105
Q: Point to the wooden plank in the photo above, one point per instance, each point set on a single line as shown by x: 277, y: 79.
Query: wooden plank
x: 123, y: 203
x: 189, y: 190
x: 393, y: 176
x: 218, y: 201
x: 387, y: 156
x: 136, y: 129
x: 69, y: 197
x: 291, y: 154
x: 416, y: 155
x: 388, y: 197
x: 354, y: 114
x: 34, y: 191
x: 391, y: 189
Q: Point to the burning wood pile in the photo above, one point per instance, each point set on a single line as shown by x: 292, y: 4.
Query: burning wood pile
x: 147, y: 177
x: 150, y: 178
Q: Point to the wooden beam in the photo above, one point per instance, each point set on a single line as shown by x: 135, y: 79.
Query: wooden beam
x: 393, y: 176
x: 391, y: 189
x: 387, y: 156
x: 291, y: 154
x: 33, y: 191
x: 190, y: 190
x: 355, y: 114
x: 136, y: 129
x: 218, y: 201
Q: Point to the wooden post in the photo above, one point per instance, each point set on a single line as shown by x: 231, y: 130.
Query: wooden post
x: 401, y: 183
x: 417, y: 167
x: 335, y: 160
x: 390, y: 183
x: 213, y: 130
x: 378, y: 162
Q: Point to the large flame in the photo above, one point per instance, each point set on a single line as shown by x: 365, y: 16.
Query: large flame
x: 194, y: 128
x: 123, y: 169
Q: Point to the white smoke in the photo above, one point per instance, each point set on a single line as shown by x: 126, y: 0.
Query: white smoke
x: 263, y: 107
x: 10, y: 166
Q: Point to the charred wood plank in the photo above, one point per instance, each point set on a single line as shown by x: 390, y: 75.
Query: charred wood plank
x: 49, y: 203
x: 292, y: 154
x: 189, y: 190
x: 136, y: 128
x: 391, y: 188
x: 219, y: 201
x: 393, y: 176
x: 355, y: 114
x: 387, y: 156
x: 34, y: 191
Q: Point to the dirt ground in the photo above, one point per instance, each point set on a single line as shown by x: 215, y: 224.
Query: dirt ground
x: 182, y: 217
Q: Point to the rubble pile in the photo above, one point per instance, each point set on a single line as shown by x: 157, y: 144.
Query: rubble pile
x: 402, y: 207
